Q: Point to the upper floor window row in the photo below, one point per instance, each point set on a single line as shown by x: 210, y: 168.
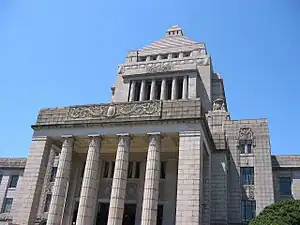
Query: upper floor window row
x: 164, y: 89
x: 164, y: 56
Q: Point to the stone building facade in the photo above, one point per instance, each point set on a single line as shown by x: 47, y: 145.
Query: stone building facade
x: 164, y: 151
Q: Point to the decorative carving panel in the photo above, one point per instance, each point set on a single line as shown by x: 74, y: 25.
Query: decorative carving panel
x: 159, y: 68
x: 245, y: 134
x: 115, y: 110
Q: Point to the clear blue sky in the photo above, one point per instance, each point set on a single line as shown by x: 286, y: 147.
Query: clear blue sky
x: 59, y: 53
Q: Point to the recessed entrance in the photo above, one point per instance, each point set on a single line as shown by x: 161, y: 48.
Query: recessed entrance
x: 128, y: 217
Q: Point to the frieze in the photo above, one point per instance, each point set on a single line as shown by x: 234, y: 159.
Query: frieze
x: 11, y: 162
x: 159, y: 68
x: 106, y: 111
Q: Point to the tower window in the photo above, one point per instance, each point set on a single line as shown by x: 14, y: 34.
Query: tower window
x: 285, y: 185
x: 158, y: 89
x: 247, y: 175
x: 165, y: 56
x: 248, y: 210
x: 245, y: 147
x: 142, y: 59
x: 153, y: 57
x: 169, y: 89
x: 148, y: 89
x: 186, y: 54
x: 137, y: 90
x: 175, y: 55
x: 179, y: 87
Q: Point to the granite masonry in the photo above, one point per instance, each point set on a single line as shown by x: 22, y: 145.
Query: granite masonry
x: 164, y: 151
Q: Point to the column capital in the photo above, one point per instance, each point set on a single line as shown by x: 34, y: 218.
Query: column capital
x: 67, y: 136
x: 154, y: 134
x: 94, y: 135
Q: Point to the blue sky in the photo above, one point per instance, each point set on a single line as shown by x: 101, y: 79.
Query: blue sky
x: 59, y: 53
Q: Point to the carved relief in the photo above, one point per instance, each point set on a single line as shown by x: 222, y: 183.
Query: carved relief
x: 249, y: 191
x: 115, y: 110
x: 219, y: 105
x: 120, y: 69
x: 159, y: 68
x: 245, y: 134
x: 203, y: 61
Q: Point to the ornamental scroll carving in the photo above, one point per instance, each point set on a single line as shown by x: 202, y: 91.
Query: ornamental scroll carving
x: 106, y: 111
x: 249, y: 191
x: 159, y: 68
x: 245, y: 134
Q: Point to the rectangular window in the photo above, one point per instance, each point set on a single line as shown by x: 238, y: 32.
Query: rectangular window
x: 13, y: 181
x: 1, y: 176
x: 158, y: 89
x: 248, y: 210
x: 247, y: 175
x: 112, y: 170
x: 106, y: 169
x: 186, y: 54
x: 7, y: 203
x: 130, y: 170
x: 137, y: 90
x: 142, y: 59
x: 47, y: 203
x: 137, y: 170
x: 160, y: 213
x: 153, y: 57
x: 162, y: 170
x: 242, y: 148
x: 249, y: 148
x: 179, y: 87
x: 148, y: 89
x: 175, y: 55
x: 165, y: 56
x: 169, y: 88
x: 53, y: 174
x: 285, y: 185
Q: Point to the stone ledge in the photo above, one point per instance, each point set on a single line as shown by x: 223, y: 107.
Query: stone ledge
x: 287, y: 161
x: 12, y: 162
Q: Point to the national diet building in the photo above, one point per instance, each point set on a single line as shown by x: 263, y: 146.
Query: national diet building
x: 164, y: 151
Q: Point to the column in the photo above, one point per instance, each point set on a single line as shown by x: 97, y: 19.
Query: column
x: 189, y: 182
x: 132, y: 91
x: 174, y: 88
x: 118, y: 191
x: 151, y: 185
x: 143, y: 90
x: 90, y: 182
x: 61, y: 183
x: 163, y: 90
x: 153, y: 90
x: 185, y: 87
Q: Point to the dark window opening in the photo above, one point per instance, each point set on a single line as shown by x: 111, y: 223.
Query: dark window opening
x: 102, y: 215
x: 249, y: 148
x: 1, y: 176
x: 137, y: 90
x: 186, y: 54
x: 165, y: 56
x: 53, y: 174
x: 142, y: 59
x: 247, y: 175
x: 137, y: 170
x: 106, y: 170
x: 158, y: 89
x: 248, y: 210
x: 179, y: 87
x: 130, y: 169
x: 13, y: 181
x: 285, y: 185
x: 160, y: 214
x: 154, y: 57
x: 47, y: 202
x: 75, y: 212
x: 162, y: 170
x: 169, y: 89
x: 148, y: 90
x: 242, y: 148
x: 112, y: 169
x: 175, y: 55
x: 7, y: 203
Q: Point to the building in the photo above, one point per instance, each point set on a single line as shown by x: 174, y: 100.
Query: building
x: 164, y: 151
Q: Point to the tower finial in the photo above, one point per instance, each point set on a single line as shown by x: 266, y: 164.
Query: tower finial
x: 174, y: 31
